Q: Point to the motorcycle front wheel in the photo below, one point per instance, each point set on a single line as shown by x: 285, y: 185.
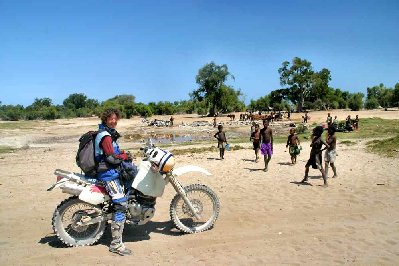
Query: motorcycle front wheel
x: 66, y: 218
x: 206, y: 205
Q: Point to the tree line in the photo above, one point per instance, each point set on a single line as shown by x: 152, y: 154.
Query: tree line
x: 302, y: 88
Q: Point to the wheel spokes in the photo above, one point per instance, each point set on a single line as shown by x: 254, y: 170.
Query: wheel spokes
x: 202, y: 204
x: 72, y: 216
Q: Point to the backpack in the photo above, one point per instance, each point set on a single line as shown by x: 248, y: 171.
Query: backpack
x: 85, y: 157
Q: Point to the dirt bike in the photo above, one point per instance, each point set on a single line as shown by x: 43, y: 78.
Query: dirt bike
x: 81, y: 219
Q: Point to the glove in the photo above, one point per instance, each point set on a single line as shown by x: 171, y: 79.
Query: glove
x: 130, y: 157
x: 126, y: 156
x: 123, y: 157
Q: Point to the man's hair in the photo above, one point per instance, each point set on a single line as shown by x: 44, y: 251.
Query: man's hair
x: 318, y: 131
x: 108, y: 112
x: 332, y: 130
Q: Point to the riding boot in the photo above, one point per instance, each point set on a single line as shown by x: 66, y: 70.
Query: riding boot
x: 117, y: 245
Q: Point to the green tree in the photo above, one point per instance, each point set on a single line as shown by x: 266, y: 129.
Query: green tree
x: 77, y: 104
x: 342, y: 98
x: 320, y: 90
x: 41, y: 108
x: 261, y: 104
x: 277, y: 96
x: 298, y: 77
x: 230, y: 100
x: 164, y: 108
x: 49, y: 113
x: 355, y: 101
x: 125, y: 104
x: 11, y: 112
x: 395, y: 95
x: 143, y: 110
x: 371, y: 103
x: 185, y: 107
x: 383, y: 94
x: 281, y: 106
x: 75, y: 101
x: 210, y: 79
x: 40, y: 103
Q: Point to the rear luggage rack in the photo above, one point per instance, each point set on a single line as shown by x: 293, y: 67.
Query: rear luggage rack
x: 78, y: 178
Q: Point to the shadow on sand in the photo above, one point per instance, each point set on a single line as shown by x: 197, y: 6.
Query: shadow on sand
x: 254, y: 169
x: 131, y: 233
x: 286, y: 163
x: 306, y: 183
x: 248, y: 160
x: 301, y: 183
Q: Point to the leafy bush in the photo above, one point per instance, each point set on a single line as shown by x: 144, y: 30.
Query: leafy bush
x: 355, y: 101
x: 143, y: 110
x: 334, y: 105
x: 49, y: 113
x: 301, y: 129
x: 371, y: 103
x: 11, y: 113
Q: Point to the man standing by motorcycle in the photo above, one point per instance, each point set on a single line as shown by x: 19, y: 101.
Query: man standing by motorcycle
x: 110, y: 157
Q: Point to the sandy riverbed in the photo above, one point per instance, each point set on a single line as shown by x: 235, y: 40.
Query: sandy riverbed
x: 265, y: 219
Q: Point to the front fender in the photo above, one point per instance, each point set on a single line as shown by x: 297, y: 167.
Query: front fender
x: 189, y: 168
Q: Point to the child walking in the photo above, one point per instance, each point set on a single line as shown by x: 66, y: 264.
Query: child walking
x: 315, y: 159
x: 331, y: 153
x: 255, y: 138
x: 293, y: 142
x: 221, y: 137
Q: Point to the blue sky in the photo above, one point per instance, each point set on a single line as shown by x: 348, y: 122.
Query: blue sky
x: 154, y: 49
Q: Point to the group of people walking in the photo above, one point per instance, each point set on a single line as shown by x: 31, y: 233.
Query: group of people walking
x: 262, y: 141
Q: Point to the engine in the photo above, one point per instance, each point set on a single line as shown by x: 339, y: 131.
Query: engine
x: 141, y: 208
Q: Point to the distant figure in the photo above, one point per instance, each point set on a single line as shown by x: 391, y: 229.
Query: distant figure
x: 305, y: 117
x: 266, y: 135
x: 253, y: 127
x: 330, y: 153
x: 221, y: 137
x: 289, y: 115
x: 329, y: 120
x: 348, y: 124
x: 315, y: 159
x: 171, y: 121
x: 214, y: 121
x: 293, y: 144
x: 335, y: 122
x: 255, y: 138
x: 356, y: 123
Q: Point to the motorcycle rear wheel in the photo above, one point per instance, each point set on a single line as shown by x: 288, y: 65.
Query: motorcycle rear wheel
x: 205, y: 202
x: 65, y: 218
